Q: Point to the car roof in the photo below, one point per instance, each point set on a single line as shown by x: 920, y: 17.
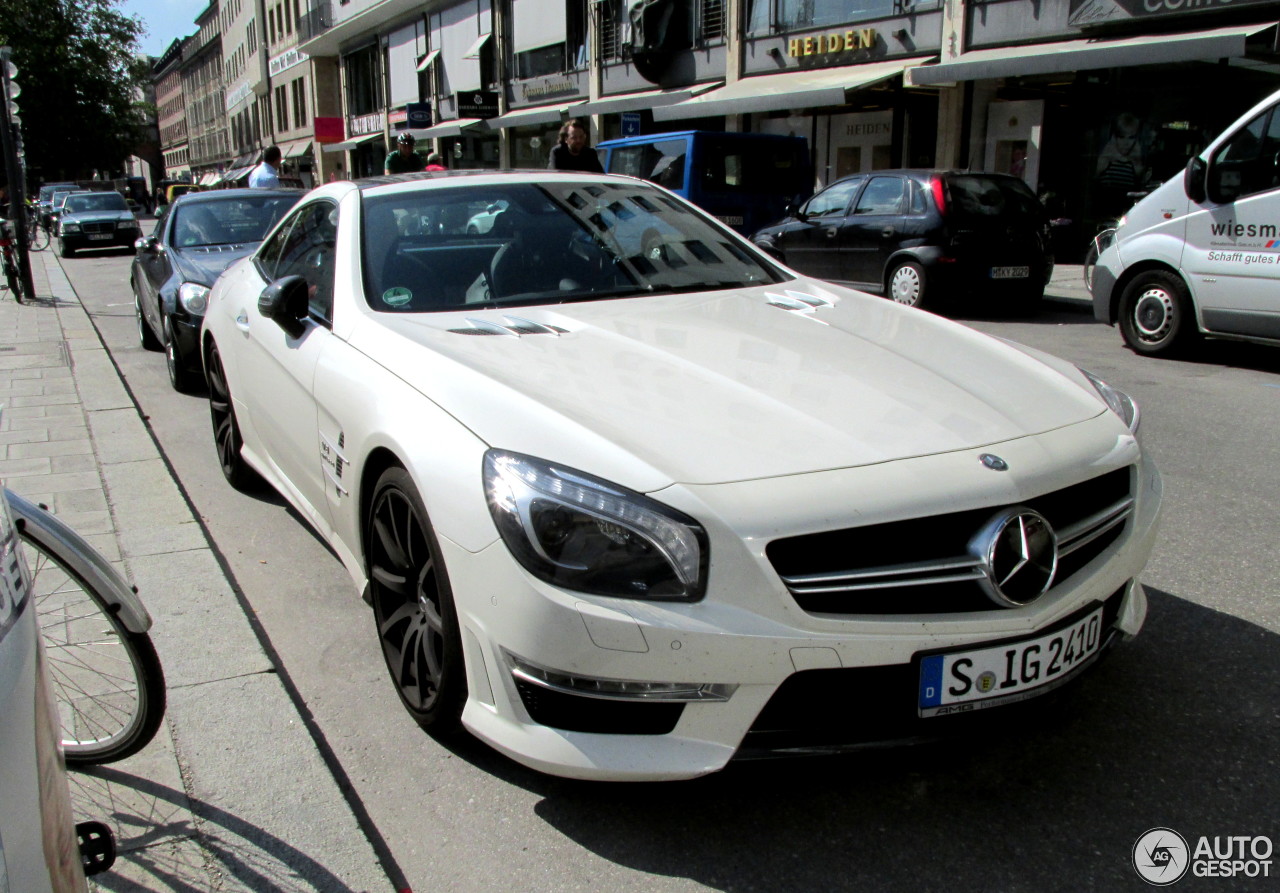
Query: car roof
x: 222, y: 195
x: 480, y: 177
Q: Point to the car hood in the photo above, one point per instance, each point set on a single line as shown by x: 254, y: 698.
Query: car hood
x: 96, y: 216
x: 203, y: 264
x: 730, y: 386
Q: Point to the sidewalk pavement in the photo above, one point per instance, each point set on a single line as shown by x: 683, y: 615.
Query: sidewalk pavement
x: 233, y: 794
x: 1067, y: 287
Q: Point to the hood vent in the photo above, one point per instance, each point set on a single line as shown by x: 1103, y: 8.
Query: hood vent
x: 798, y: 301
x: 511, y: 325
x: 216, y: 249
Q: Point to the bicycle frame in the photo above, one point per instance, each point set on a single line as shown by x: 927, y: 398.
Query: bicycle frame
x: 56, y: 538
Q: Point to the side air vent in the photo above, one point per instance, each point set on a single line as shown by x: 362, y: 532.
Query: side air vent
x: 511, y: 325
x: 798, y: 301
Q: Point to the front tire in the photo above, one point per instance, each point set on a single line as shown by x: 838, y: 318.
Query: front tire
x: 907, y: 284
x: 183, y: 381
x: 1156, y: 316
x: 65, y: 250
x: 226, y: 430
x: 146, y: 337
x: 413, y: 605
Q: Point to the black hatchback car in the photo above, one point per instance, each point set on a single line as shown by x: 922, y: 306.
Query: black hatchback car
x: 921, y: 236
x: 196, y: 237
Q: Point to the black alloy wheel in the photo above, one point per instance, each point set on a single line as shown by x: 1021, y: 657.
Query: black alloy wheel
x: 183, y: 381
x: 226, y: 431
x: 413, y: 605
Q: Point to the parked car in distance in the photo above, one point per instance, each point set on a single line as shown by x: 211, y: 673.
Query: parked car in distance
x: 627, y: 507
x: 744, y: 180
x: 44, y: 199
x: 921, y: 237
x: 55, y: 204
x: 196, y: 237
x: 95, y: 220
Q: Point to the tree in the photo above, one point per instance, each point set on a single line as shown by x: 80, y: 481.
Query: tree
x: 80, y: 74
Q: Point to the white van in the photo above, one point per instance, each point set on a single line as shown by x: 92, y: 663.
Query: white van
x: 1201, y: 254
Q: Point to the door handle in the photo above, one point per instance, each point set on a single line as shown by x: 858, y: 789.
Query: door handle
x: 832, y: 232
x: 888, y: 232
x: 242, y: 321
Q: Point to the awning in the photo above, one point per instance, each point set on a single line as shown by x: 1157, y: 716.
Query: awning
x: 473, y: 52
x: 352, y: 143
x: 645, y: 99
x: 209, y: 179
x: 1076, y: 55
x: 428, y: 59
x: 540, y: 114
x: 812, y: 88
x: 296, y: 148
x: 449, y: 128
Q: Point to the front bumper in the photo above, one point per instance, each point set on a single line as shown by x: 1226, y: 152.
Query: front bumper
x: 117, y: 239
x: 747, y: 636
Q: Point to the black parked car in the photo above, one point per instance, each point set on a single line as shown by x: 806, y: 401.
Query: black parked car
x: 95, y: 220
x: 197, y: 237
x: 919, y: 235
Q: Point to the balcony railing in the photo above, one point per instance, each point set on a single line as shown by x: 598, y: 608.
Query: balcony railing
x: 318, y: 18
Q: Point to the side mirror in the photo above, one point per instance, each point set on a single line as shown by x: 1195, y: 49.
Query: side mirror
x: 793, y: 209
x: 285, y: 302
x: 1193, y: 179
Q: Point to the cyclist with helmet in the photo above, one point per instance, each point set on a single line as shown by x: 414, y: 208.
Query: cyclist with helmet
x: 403, y: 159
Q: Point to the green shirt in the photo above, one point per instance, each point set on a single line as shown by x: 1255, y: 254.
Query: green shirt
x: 398, y: 164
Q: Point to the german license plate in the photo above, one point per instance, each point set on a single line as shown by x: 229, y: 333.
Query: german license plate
x: 1010, y: 272
x: 97, y: 237
x: 964, y: 681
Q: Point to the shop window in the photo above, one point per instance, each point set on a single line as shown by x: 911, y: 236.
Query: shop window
x: 541, y: 62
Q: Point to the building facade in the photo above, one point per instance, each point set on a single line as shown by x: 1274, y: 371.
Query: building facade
x: 1087, y: 100
x: 205, y: 97
x: 171, y: 111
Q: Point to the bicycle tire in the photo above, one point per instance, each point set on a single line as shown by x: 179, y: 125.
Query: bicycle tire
x: 107, y: 681
x: 37, y: 236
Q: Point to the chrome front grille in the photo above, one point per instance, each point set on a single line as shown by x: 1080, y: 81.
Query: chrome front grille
x: 99, y: 227
x: 924, y: 565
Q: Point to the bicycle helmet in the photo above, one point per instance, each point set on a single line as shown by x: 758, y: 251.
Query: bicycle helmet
x: 405, y: 139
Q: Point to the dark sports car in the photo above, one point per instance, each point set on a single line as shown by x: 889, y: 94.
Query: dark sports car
x: 95, y: 220
x: 197, y: 237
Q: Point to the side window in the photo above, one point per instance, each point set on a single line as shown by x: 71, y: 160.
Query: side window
x: 309, y: 250
x: 919, y: 205
x: 1249, y: 162
x: 832, y: 201
x: 883, y: 195
x: 158, y: 232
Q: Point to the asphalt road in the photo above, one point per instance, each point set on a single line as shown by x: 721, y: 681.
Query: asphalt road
x: 1177, y: 729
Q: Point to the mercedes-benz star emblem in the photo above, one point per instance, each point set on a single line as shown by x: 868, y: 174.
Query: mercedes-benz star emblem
x: 1017, y: 552
x: 994, y: 462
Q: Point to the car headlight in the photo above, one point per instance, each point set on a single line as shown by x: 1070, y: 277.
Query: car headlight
x: 126, y: 224
x: 1121, y: 403
x: 579, y: 532
x: 71, y: 227
x: 193, y: 298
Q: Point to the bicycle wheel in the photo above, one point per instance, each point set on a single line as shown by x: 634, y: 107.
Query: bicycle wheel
x: 37, y: 235
x: 107, y: 681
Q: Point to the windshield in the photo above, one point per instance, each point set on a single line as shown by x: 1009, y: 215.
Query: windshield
x: 99, y: 201
x: 563, y: 241
x: 235, y: 221
x: 59, y: 198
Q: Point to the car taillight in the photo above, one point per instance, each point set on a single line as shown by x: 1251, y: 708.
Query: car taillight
x: 939, y: 195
